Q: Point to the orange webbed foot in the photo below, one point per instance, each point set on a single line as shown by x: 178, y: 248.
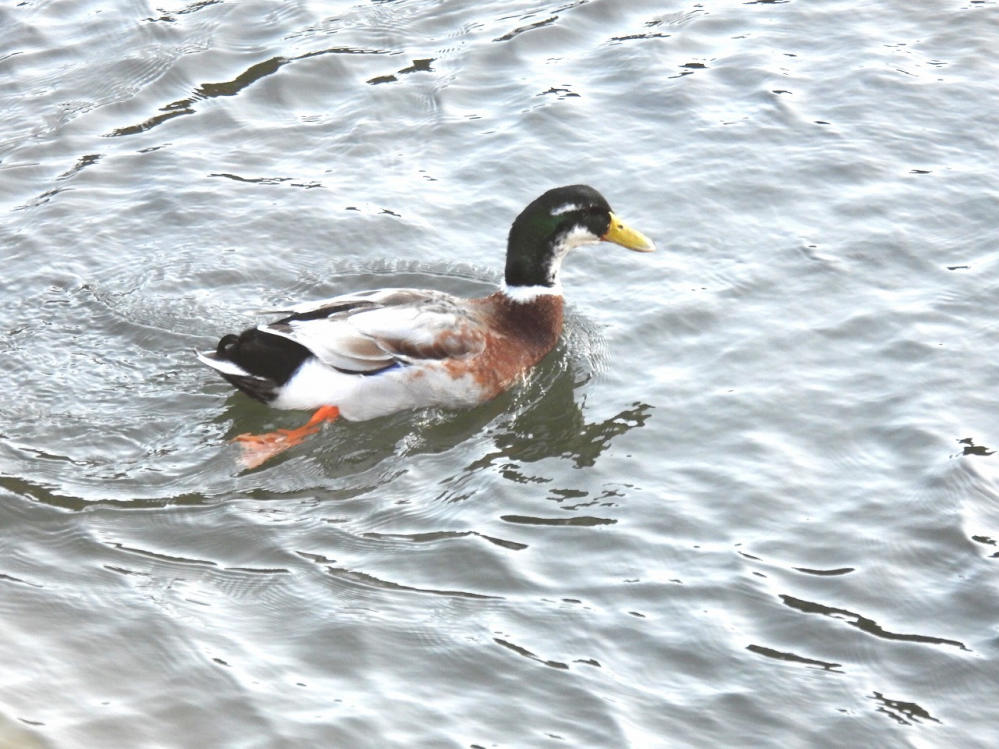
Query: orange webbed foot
x: 257, y: 449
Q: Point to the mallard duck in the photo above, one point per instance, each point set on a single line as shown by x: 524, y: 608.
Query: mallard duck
x: 373, y: 353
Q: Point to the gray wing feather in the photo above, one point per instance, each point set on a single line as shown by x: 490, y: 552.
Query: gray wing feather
x: 369, y: 331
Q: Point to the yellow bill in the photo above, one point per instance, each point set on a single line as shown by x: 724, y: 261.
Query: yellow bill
x: 622, y: 234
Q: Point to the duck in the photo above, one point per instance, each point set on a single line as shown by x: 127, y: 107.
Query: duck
x: 362, y: 355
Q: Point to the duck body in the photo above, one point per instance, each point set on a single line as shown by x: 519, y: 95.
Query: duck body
x: 377, y: 352
x: 373, y: 353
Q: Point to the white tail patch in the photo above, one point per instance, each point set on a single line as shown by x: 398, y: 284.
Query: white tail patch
x: 222, y: 365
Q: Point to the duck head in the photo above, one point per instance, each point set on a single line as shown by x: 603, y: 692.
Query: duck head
x: 555, y: 223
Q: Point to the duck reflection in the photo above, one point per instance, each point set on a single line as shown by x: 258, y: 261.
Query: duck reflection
x: 553, y: 425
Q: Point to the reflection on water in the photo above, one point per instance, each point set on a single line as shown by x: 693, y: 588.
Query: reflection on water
x: 906, y: 713
x: 863, y: 623
x: 556, y: 428
x: 792, y: 658
x: 230, y: 88
x: 752, y: 494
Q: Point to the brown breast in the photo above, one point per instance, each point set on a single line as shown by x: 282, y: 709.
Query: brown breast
x: 518, y: 336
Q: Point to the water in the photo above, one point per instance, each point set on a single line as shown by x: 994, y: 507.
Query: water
x: 751, y: 500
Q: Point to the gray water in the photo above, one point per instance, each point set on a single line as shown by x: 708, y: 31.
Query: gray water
x: 750, y: 500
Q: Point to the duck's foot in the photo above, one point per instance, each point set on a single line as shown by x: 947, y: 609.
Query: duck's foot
x: 257, y: 449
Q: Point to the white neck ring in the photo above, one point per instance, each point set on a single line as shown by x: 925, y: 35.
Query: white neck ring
x: 530, y: 293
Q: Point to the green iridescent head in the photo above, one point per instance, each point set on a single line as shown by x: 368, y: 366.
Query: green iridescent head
x: 556, y: 222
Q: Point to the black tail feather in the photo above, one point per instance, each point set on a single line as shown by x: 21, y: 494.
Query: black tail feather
x: 269, y: 361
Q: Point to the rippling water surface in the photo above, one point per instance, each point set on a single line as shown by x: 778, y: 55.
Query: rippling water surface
x: 750, y: 500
